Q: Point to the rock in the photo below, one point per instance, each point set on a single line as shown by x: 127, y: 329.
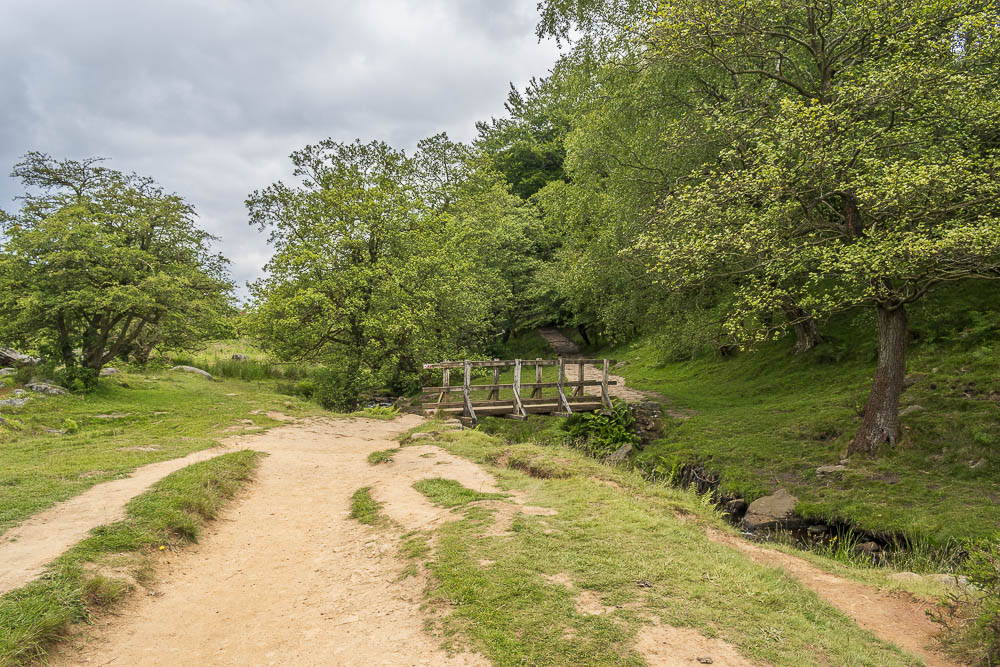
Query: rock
x: 240, y: 357
x: 953, y: 580
x: 818, y: 529
x: 909, y: 410
x: 105, y: 372
x: 619, y: 455
x: 45, y: 388
x: 19, y: 392
x: 192, y: 369
x: 621, y: 364
x: 829, y: 470
x: 705, y: 660
x: 11, y: 357
x: 906, y: 576
x: 4, y: 372
x: 770, y: 511
x: 975, y: 465
x: 422, y: 436
x: 736, y: 507
x: 14, y: 402
x: 868, y: 548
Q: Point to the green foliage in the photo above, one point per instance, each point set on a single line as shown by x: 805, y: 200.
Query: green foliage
x: 600, y: 433
x: 971, y: 618
x: 383, y: 261
x: 70, y: 426
x: 377, y: 412
x: 104, y: 263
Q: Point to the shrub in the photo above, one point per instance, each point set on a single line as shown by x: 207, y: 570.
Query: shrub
x: 601, y: 433
x: 971, y: 617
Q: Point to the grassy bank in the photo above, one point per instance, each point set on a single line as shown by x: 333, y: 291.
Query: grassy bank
x: 618, y: 553
x: 58, y: 446
x: 107, y: 565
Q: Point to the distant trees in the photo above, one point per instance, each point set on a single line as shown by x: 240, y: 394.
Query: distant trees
x: 99, y: 264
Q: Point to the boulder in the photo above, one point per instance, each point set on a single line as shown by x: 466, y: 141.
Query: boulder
x: 192, y: 369
x: 45, y: 388
x: 773, y: 511
x: 736, y: 507
x: 4, y: 372
x: 240, y: 357
x: 822, y: 471
x: 619, y: 454
x: 10, y: 357
x: 14, y: 402
x: 105, y: 372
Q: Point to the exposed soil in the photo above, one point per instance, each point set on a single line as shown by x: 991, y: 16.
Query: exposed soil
x: 894, y: 617
x: 26, y: 548
x: 666, y: 646
x: 285, y: 576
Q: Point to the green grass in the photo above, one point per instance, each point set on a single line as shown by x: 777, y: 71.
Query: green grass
x: 382, y: 456
x: 130, y: 420
x: 102, y: 568
x: 613, y: 529
x: 364, y: 508
x: 449, y: 493
x: 767, y: 420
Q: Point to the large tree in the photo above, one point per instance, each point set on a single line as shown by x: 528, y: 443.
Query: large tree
x: 96, y: 261
x: 861, y: 167
x: 381, y: 262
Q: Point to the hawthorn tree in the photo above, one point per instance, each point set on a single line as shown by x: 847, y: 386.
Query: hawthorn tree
x: 97, y: 261
x: 861, y: 168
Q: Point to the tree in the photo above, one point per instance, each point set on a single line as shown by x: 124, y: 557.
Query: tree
x: 861, y: 165
x: 377, y: 267
x: 97, y: 260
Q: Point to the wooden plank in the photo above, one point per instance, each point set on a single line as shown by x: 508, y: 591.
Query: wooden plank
x: 573, y: 401
x: 579, y: 376
x: 548, y: 407
x: 524, y: 385
x: 519, y: 412
x: 559, y: 387
x: 469, y: 410
x: 495, y: 391
x: 536, y: 392
x: 445, y: 382
x: 489, y: 364
x: 605, y: 398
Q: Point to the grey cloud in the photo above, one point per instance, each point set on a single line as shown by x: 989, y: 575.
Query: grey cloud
x: 209, y: 98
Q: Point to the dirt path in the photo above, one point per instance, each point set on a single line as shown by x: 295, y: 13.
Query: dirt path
x: 564, y: 347
x: 895, y: 618
x: 26, y: 548
x: 285, y: 576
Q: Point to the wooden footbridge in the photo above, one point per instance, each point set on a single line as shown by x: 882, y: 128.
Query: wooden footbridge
x: 569, y: 394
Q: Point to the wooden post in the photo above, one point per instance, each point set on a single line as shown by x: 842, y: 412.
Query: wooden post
x: 559, y: 385
x: 605, y: 398
x: 443, y: 396
x: 519, y: 412
x: 579, y: 376
x: 495, y: 392
x: 537, y: 391
x: 466, y: 388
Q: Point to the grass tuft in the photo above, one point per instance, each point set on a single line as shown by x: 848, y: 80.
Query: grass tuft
x: 449, y: 493
x: 364, y: 508
x: 382, y: 456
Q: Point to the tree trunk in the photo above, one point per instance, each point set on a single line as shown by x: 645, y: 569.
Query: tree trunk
x: 582, y: 328
x: 806, y: 332
x: 880, y: 423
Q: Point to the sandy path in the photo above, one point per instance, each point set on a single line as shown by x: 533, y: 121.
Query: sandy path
x: 895, y: 618
x: 285, y: 576
x: 28, y: 547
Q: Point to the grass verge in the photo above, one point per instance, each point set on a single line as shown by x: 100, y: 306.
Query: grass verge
x: 578, y: 588
x: 102, y: 568
x: 382, y: 456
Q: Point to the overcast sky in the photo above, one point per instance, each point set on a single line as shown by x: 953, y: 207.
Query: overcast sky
x: 209, y: 98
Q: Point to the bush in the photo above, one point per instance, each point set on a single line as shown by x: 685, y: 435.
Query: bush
x: 971, y: 618
x: 600, y: 434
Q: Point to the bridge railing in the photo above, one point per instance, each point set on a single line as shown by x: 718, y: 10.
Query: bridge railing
x: 570, y: 394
